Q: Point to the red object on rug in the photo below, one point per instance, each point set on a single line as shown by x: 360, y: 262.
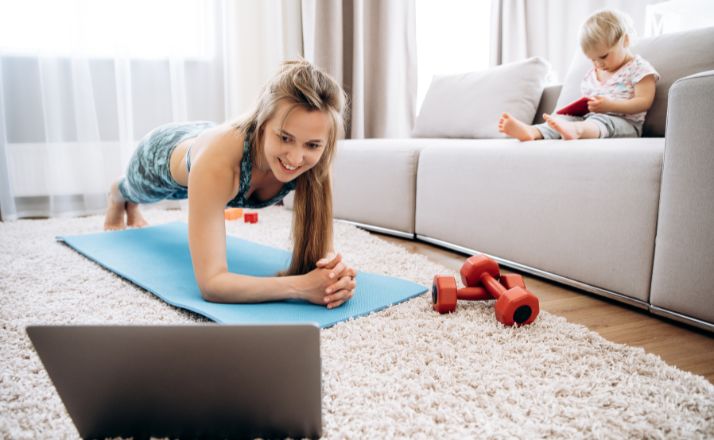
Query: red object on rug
x: 250, y: 217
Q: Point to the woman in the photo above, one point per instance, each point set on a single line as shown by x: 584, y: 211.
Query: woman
x: 287, y: 143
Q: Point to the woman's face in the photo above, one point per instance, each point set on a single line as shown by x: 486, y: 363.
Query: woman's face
x: 294, y: 144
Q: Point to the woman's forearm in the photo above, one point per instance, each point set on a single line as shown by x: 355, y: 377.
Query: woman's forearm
x: 228, y: 287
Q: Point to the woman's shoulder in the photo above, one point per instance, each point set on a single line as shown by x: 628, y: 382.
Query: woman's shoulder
x: 225, y: 133
x: 221, y: 146
x: 225, y: 137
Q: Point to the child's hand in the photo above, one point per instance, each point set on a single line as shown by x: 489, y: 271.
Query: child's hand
x: 599, y: 104
x: 344, y: 280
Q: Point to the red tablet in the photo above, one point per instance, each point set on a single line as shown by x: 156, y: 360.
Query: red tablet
x: 578, y: 107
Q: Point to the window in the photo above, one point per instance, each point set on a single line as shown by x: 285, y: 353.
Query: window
x: 107, y: 28
x: 677, y: 16
x: 452, y: 37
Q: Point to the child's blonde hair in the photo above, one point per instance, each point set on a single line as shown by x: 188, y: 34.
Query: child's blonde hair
x: 303, y: 85
x: 604, y: 29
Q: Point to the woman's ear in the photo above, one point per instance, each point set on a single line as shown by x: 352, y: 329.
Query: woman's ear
x: 626, y: 41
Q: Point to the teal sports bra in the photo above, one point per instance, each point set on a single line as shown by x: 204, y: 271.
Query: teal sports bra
x: 246, y: 168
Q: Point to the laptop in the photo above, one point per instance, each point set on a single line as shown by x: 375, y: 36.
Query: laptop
x: 188, y: 381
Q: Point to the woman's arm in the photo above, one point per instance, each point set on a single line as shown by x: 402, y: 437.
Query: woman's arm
x: 212, y: 182
x: 211, y: 185
x: 642, y: 101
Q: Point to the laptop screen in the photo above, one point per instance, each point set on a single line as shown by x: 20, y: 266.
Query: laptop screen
x: 186, y: 381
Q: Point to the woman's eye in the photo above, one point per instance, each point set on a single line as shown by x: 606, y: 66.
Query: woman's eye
x: 285, y: 139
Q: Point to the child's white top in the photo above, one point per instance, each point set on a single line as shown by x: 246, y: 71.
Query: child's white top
x: 620, y: 85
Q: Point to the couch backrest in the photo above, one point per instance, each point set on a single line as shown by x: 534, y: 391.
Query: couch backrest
x: 674, y: 56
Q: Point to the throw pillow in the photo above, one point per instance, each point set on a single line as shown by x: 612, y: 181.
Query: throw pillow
x: 469, y: 105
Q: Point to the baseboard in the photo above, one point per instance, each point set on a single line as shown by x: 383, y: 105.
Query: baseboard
x: 394, y: 232
x: 682, y: 318
x: 541, y: 273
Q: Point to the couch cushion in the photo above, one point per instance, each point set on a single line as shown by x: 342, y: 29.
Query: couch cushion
x: 469, y: 105
x: 673, y: 56
x: 374, y: 182
x: 585, y: 210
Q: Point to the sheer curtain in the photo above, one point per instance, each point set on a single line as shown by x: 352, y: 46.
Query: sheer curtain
x: 260, y: 35
x: 76, y: 97
x: 452, y: 36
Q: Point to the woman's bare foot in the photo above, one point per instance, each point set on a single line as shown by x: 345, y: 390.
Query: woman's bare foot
x: 116, y: 209
x: 517, y: 129
x: 134, y: 218
x: 568, y: 130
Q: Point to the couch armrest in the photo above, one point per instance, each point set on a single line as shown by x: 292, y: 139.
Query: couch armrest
x: 547, y: 102
x: 683, y: 272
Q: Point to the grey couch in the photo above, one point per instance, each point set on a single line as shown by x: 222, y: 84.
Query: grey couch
x: 629, y: 219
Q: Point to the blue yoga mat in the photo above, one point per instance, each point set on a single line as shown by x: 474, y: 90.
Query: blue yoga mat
x: 157, y: 259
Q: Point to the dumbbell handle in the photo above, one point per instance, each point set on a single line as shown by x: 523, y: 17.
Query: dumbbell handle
x: 492, y: 285
x: 473, y: 294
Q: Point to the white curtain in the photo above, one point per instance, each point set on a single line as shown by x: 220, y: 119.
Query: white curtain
x: 369, y: 46
x: 549, y: 28
x: 261, y: 34
x: 73, y: 106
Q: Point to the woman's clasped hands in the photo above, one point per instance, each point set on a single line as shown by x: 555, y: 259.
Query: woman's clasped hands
x: 331, y: 283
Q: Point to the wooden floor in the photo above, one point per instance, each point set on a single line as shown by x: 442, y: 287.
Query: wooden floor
x: 685, y: 347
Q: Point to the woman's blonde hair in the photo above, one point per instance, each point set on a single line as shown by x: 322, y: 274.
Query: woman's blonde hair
x: 604, y: 29
x: 303, y: 85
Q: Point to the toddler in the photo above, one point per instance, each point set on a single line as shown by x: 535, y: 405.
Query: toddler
x: 620, y: 88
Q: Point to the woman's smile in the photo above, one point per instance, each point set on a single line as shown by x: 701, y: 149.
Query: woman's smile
x: 290, y: 169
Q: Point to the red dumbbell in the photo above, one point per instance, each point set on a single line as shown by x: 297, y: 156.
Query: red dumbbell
x: 444, y: 294
x: 514, y: 305
x: 511, y: 280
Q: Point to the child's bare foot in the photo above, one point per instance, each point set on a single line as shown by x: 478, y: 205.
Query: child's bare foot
x: 567, y: 129
x: 517, y: 129
x: 116, y: 208
x: 133, y: 216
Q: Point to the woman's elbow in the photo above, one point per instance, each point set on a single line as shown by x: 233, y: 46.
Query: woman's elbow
x: 208, y: 295
x: 209, y: 292
x: 211, y: 296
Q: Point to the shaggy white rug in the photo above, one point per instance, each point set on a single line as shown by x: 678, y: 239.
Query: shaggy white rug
x: 402, y: 372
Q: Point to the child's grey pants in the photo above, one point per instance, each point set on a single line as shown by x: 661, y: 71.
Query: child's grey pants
x: 610, y: 126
